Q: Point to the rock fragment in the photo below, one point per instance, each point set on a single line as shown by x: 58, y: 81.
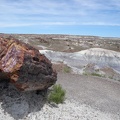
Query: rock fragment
x: 24, y: 66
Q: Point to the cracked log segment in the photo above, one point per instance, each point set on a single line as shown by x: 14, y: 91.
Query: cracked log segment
x: 24, y: 66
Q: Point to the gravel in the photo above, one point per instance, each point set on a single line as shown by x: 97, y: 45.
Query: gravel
x: 15, y: 105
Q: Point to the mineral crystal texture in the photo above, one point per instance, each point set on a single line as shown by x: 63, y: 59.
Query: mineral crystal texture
x: 24, y: 66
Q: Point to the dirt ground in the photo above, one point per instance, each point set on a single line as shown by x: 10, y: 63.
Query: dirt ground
x: 87, y: 98
x: 97, y: 92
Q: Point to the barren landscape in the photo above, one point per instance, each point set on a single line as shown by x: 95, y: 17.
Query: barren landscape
x: 88, y: 68
x: 88, y: 55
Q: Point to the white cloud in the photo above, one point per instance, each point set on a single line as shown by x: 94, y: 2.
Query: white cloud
x: 36, y: 24
x: 4, y: 25
x: 100, y: 23
x: 64, y: 12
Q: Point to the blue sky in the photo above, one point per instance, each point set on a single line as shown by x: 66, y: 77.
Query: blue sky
x: 81, y: 17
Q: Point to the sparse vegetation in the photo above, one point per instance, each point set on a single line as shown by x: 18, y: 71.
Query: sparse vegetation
x: 96, y: 74
x: 67, y: 69
x: 111, y: 77
x: 93, y: 74
x: 57, y: 95
x: 85, y: 73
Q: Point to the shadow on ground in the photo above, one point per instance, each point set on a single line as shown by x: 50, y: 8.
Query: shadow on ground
x: 19, y: 104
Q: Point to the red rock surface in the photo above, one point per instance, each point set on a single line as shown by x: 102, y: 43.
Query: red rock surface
x: 24, y: 66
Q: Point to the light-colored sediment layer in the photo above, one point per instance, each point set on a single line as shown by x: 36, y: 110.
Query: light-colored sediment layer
x: 70, y: 110
x: 99, y: 56
x: 80, y: 61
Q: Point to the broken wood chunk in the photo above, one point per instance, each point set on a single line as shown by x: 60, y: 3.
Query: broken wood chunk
x: 24, y: 66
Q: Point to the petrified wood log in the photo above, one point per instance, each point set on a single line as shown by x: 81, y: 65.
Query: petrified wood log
x: 24, y: 66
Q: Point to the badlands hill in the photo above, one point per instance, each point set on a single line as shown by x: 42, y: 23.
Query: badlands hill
x: 88, y: 55
x: 98, y: 56
x: 94, y: 60
x: 68, y: 43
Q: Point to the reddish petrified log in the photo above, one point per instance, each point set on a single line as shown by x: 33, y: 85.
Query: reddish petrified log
x: 24, y: 66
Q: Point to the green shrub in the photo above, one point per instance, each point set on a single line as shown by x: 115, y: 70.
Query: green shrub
x: 57, y: 95
x: 67, y: 69
x: 111, y: 77
x: 84, y: 73
x: 96, y: 74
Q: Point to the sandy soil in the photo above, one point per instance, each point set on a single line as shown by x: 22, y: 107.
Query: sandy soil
x: 87, y: 98
x: 94, y: 91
